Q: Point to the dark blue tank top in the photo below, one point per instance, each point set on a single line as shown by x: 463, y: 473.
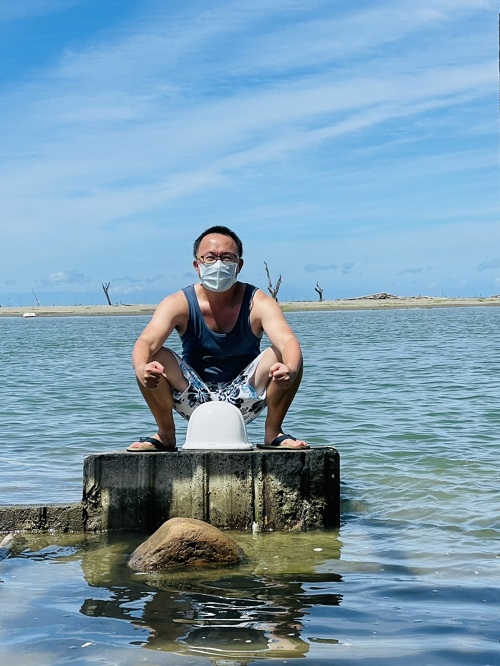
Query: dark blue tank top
x: 219, y: 357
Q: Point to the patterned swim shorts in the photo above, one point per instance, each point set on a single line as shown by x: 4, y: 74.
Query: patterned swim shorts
x: 238, y: 392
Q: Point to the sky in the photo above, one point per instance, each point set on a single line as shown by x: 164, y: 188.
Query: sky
x: 351, y: 144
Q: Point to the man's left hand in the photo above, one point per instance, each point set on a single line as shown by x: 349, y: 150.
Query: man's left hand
x: 281, y: 375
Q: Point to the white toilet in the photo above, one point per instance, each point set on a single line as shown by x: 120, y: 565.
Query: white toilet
x: 217, y: 426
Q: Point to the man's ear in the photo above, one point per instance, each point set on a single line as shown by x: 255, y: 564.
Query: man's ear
x: 240, y: 265
x: 196, y: 266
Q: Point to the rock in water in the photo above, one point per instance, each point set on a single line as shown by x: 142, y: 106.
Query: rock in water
x: 6, y: 546
x: 185, y: 542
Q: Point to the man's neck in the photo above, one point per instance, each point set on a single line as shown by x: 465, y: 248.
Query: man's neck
x: 219, y: 300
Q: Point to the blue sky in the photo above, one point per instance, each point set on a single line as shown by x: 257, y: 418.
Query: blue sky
x: 349, y: 143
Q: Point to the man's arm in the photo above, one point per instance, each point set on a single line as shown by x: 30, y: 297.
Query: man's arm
x: 171, y: 313
x: 268, y: 313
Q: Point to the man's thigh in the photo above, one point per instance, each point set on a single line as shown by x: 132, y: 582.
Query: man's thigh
x: 195, y: 393
x: 242, y: 392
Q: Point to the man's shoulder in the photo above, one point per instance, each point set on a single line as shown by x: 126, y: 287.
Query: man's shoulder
x: 260, y: 297
x: 175, y: 303
x: 262, y: 303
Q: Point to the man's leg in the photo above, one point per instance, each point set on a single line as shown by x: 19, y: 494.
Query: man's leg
x: 278, y: 400
x: 161, y: 402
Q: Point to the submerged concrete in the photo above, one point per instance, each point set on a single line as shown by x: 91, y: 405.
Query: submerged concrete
x: 239, y: 490
x: 33, y: 518
x: 279, y: 490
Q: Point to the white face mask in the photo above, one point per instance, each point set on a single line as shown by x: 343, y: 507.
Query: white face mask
x: 218, y: 276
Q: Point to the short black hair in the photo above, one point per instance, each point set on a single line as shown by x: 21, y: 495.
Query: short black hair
x: 218, y: 229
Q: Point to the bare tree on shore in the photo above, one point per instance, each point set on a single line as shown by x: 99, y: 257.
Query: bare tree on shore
x: 272, y: 290
x: 105, y: 286
x: 36, y: 297
x: 320, y: 292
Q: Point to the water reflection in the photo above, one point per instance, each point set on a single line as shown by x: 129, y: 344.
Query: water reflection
x: 250, y: 611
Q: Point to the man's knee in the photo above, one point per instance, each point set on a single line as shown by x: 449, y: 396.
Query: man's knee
x: 260, y: 379
x: 163, y: 354
x: 269, y: 357
x: 170, y: 361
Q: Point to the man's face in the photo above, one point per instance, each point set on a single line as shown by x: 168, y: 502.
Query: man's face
x: 217, y: 245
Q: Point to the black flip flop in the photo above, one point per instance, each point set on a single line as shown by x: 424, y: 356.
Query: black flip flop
x: 157, y: 446
x: 275, y: 444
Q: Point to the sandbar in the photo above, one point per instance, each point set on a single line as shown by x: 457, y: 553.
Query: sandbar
x: 375, y: 301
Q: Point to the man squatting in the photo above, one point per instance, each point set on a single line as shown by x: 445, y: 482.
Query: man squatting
x: 220, y: 322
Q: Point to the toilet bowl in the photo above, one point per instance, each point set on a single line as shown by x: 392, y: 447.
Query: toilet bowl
x: 217, y: 426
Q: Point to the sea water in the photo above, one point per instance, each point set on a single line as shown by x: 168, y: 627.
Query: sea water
x: 411, y: 400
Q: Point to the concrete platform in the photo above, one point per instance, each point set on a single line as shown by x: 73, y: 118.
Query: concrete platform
x: 279, y: 490
x: 45, y: 518
x: 240, y: 490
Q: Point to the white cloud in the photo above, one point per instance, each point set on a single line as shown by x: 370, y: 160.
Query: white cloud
x: 489, y: 264
x: 314, y: 268
x: 65, y: 278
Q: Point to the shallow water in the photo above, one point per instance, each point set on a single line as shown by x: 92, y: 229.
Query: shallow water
x: 411, y: 400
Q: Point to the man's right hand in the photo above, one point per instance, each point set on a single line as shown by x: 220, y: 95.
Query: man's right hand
x: 151, y: 374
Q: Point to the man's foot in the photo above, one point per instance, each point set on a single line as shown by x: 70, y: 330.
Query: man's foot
x: 286, y: 442
x: 151, y: 444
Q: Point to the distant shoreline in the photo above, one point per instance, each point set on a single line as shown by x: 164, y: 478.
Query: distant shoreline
x: 374, y: 302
